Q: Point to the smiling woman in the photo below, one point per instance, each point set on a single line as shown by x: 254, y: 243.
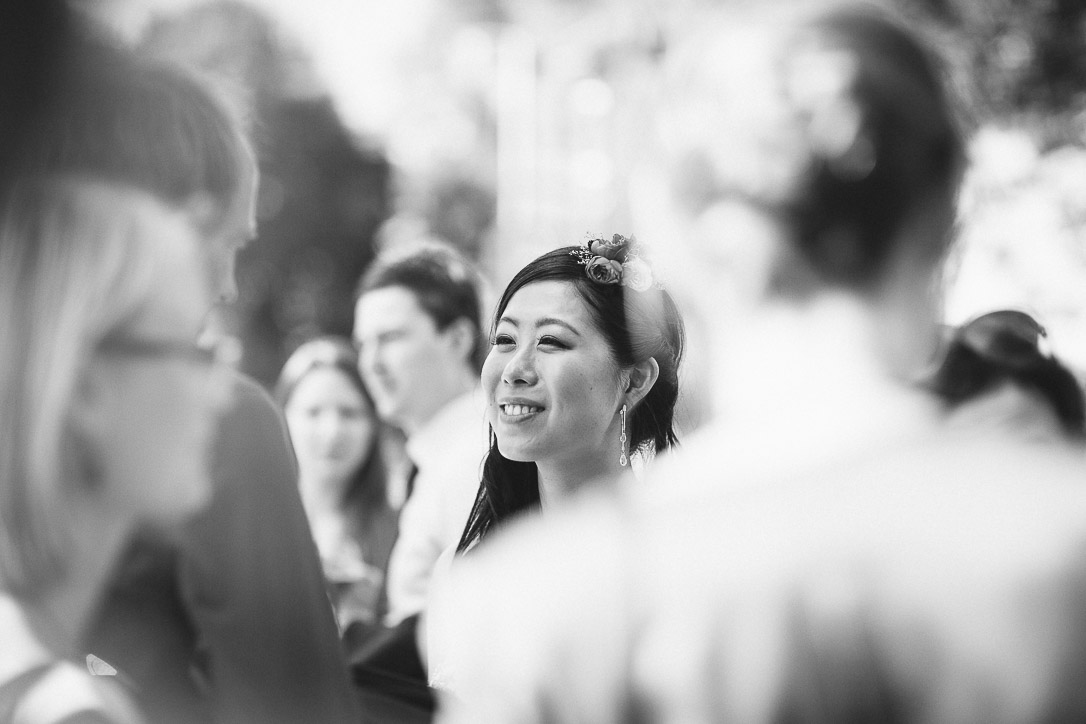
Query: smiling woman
x: 553, y: 386
x: 582, y: 374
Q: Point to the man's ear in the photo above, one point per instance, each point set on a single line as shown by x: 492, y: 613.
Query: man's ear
x: 461, y: 335
x: 643, y: 376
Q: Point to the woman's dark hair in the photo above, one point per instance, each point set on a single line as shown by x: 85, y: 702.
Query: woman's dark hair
x: 366, y: 495
x: 1008, y: 346
x: 849, y: 204
x: 637, y: 325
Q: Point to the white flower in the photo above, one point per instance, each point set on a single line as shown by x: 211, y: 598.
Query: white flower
x: 636, y: 275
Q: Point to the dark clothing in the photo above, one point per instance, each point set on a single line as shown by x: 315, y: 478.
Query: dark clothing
x: 390, y: 677
x: 227, y: 618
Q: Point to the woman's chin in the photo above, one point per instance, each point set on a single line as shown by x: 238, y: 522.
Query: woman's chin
x: 324, y: 474
x: 516, y: 453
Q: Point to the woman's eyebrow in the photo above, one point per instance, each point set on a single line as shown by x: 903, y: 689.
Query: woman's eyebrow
x: 561, y: 323
x: 540, y: 323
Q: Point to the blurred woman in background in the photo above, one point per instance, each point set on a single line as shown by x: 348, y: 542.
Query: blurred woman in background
x: 107, y: 410
x: 342, y: 475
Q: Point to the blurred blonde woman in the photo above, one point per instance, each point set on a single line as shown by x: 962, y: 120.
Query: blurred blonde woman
x: 105, y: 419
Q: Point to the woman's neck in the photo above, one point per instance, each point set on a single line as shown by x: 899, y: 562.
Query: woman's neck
x: 560, y: 480
x: 322, y: 495
x: 323, y: 501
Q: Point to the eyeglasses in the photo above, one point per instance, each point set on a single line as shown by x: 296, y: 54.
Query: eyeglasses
x: 143, y: 348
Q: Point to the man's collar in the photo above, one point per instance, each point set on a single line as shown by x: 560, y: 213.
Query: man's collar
x: 430, y: 436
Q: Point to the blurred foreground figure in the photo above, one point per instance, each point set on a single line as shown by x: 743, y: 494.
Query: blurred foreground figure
x: 827, y: 550
x: 106, y: 421
x: 998, y: 372
x: 324, y: 191
x: 224, y: 617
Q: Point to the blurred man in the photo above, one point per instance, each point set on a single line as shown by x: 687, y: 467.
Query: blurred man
x: 417, y: 325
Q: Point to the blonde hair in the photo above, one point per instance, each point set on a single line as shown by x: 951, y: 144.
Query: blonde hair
x: 76, y: 262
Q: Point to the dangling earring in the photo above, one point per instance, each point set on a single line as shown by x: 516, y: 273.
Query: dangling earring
x: 622, y: 459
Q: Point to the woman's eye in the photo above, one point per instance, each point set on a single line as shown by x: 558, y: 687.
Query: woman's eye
x: 502, y: 339
x: 551, y: 341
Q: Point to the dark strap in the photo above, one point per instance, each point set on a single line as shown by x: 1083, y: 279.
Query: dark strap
x: 13, y: 690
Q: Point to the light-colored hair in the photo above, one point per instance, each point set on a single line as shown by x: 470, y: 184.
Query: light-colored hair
x: 76, y: 263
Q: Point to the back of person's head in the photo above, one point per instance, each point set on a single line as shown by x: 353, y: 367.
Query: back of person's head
x: 445, y: 286
x: 77, y: 265
x: 837, y: 125
x: 1008, y: 347
x: 130, y: 120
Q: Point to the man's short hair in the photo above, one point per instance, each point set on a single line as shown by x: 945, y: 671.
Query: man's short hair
x: 445, y: 284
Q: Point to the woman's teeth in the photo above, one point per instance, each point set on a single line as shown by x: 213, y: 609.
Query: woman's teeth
x: 516, y: 410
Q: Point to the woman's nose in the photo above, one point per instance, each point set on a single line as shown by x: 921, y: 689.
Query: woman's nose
x: 520, y: 370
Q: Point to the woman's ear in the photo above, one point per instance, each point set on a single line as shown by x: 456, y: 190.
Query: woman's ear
x: 643, y: 376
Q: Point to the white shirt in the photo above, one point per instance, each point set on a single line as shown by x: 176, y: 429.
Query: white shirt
x: 448, y: 451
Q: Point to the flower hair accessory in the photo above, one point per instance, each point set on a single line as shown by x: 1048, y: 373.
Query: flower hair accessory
x: 615, y: 261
